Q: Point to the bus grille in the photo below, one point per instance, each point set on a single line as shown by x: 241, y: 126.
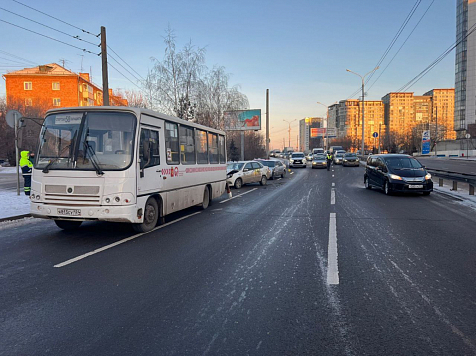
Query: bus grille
x: 78, y: 194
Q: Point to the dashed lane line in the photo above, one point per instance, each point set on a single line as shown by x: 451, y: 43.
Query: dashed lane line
x: 333, y: 196
x: 76, y: 259
x: 332, y: 262
x: 333, y: 184
x: 237, y: 196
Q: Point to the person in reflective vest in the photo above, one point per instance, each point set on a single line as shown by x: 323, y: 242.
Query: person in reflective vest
x: 329, y: 160
x: 26, y: 166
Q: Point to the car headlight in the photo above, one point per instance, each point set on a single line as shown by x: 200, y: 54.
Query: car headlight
x: 428, y: 176
x: 345, y: 160
x: 394, y: 176
x: 358, y: 160
x: 291, y: 160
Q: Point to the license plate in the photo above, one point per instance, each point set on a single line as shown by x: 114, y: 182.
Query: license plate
x: 416, y: 186
x: 69, y: 212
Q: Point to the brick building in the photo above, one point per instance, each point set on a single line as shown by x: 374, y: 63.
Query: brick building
x: 51, y: 86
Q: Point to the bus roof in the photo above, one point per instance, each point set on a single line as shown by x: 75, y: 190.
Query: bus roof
x: 137, y: 111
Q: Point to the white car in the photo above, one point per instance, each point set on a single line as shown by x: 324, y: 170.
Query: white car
x: 297, y: 159
x: 245, y: 172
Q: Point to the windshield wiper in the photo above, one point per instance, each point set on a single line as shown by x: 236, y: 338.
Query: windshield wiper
x: 92, y: 156
x: 46, y: 170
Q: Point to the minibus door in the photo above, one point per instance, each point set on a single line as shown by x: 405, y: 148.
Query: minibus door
x: 149, y: 162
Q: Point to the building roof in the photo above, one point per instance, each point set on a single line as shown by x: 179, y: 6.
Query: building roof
x: 45, y: 69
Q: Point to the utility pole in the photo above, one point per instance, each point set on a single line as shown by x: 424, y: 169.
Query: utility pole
x: 289, y: 131
x: 436, y: 134
x: 267, y: 123
x: 363, y: 104
x: 379, y: 129
x: 105, y: 79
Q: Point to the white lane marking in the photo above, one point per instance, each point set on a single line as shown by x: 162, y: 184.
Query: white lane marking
x: 332, y: 176
x: 237, y: 196
x: 333, y: 184
x: 62, y: 264
x: 292, y: 173
x: 333, y: 196
x: 332, y: 264
x: 332, y: 170
x: 280, y: 178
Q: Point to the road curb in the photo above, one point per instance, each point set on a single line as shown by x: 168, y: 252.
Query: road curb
x: 17, y: 217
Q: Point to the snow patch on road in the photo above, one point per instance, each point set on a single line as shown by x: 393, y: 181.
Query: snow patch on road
x: 12, y: 204
x: 462, y: 197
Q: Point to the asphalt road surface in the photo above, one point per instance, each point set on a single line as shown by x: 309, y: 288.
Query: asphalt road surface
x: 453, y: 165
x: 310, y: 264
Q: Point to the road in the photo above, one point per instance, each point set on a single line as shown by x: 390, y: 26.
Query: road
x: 310, y: 264
x: 453, y: 165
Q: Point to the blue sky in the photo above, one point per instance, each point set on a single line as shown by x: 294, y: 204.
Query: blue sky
x: 299, y: 50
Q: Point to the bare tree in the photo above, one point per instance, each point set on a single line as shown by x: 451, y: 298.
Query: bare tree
x: 172, y: 82
x: 136, y: 99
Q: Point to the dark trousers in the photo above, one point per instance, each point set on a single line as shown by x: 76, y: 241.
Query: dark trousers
x: 27, y: 184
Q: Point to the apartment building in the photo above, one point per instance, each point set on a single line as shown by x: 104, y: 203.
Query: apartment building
x: 349, y: 120
x: 305, y: 139
x: 52, y: 86
x: 442, y: 112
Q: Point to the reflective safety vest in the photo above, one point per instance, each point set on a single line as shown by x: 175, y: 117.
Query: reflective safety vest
x: 25, y: 163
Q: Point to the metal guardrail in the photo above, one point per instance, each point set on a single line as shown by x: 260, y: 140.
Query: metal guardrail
x: 455, y: 177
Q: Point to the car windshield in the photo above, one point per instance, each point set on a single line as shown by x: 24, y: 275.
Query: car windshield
x: 316, y: 157
x: 234, y: 166
x: 339, y: 155
x: 85, y: 141
x: 350, y: 155
x: 297, y: 155
x: 268, y: 163
x: 403, y: 163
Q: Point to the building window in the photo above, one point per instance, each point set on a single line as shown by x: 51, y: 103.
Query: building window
x: 56, y: 86
x: 28, y: 102
x: 27, y: 86
x: 56, y: 102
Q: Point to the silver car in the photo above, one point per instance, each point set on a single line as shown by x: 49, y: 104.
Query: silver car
x: 350, y: 159
x: 297, y: 159
x: 277, y: 168
x: 338, y: 157
x: 247, y: 172
x: 319, y: 161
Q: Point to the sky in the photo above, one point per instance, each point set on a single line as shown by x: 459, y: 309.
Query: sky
x: 298, y: 49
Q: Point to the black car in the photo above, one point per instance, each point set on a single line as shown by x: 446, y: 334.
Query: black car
x: 397, y: 173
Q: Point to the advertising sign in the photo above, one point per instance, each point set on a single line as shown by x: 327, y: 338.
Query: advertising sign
x: 331, y: 132
x: 240, y: 120
x: 425, y: 142
x: 314, y: 132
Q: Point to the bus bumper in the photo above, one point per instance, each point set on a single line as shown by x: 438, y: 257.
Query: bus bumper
x: 123, y: 213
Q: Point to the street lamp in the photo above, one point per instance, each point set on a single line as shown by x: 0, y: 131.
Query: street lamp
x: 289, y: 130
x: 363, y: 104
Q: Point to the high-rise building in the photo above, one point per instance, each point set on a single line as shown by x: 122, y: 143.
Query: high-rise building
x: 349, y: 120
x: 442, y: 113
x: 465, y: 67
x: 399, y: 114
x: 305, y: 139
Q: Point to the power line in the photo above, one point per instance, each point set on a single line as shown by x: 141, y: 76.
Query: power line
x: 115, y: 60
x: 109, y: 63
x: 51, y: 38
x: 436, y: 61
x: 12, y: 60
x: 51, y: 28
x: 389, y: 47
x: 41, y: 12
x: 14, y: 56
x: 126, y: 63
x: 414, y: 28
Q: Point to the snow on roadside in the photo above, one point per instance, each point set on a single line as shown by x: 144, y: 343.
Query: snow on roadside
x: 12, y: 204
x: 462, y: 196
x: 8, y: 170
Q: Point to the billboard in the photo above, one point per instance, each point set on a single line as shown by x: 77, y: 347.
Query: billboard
x: 425, y: 142
x: 314, y: 132
x: 321, y: 132
x: 240, y: 120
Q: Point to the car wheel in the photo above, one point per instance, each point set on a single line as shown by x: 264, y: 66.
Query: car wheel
x: 366, y: 183
x: 426, y: 193
x: 238, y: 183
x: 206, y: 198
x: 67, y: 224
x: 263, y: 180
x: 386, y: 188
x: 151, y: 216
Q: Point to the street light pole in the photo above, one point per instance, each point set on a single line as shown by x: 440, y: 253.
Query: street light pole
x: 289, y: 131
x: 363, y: 104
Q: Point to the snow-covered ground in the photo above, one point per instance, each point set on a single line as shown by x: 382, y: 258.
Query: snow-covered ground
x: 461, y: 196
x: 12, y: 204
x: 10, y: 170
